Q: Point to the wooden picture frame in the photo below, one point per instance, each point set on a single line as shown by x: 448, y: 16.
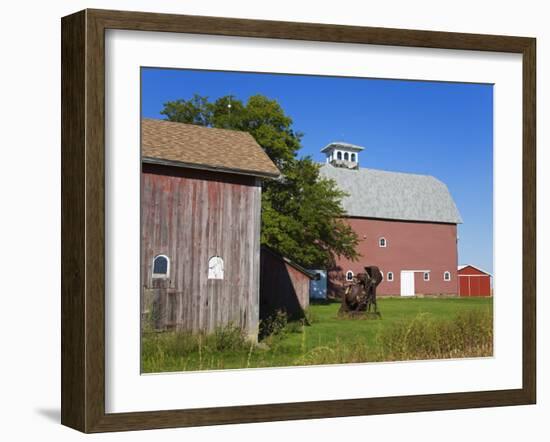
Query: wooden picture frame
x: 83, y: 220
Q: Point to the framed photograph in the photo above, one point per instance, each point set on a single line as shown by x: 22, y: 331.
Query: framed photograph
x: 269, y: 220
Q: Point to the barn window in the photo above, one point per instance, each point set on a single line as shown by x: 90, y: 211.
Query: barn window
x: 390, y: 276
x: 447, y: 276
x: 426, y: 276
x: 346, y: 157
x: 215, y: 267
x: 382, y: 242
x: 353, y: 157
x: 349, y: 275
x: 161, y: 266
x: 339, y: 155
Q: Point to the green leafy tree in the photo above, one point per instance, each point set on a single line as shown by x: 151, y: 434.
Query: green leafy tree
x: 301, y: 212
x: 197, y: 110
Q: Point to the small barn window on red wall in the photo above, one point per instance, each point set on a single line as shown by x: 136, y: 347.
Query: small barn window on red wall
x: 349, y: 275
x: 426, y: 276
x: 161, y: 266
x: 447, y: 276
x: 382, y: 242
x: 390, y: 276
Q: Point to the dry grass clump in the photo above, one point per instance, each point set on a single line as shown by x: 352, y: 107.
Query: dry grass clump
x: 468, y: 334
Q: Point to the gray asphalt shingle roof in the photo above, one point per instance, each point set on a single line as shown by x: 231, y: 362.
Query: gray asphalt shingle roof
x: 394, y: 195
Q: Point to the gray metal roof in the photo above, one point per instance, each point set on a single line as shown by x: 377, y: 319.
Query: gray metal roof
x: 394, y: 195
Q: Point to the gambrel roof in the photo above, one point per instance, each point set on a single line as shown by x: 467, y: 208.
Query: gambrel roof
x: 394, y: 195
x: 189, y: 145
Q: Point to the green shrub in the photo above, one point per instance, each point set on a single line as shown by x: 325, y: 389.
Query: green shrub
x: 295, y: 327
x: 273, y: 325
x: 309, y: 317
x: 227, y: 338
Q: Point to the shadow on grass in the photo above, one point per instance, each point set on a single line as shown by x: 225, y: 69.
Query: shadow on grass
x: 327, y: 301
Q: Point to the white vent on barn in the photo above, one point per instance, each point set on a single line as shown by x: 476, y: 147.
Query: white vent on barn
x: 161, y: 266
x: 340, y: 154
x: 215, y: 267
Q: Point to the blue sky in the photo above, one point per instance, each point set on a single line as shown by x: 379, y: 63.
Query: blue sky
x: 436, y: 128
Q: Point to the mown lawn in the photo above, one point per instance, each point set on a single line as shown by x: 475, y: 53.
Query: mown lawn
x: 411, y: 328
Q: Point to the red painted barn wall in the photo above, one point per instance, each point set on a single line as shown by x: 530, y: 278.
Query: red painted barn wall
x: 474, y: 282
x: 410, y: 246
x: 300, y: 282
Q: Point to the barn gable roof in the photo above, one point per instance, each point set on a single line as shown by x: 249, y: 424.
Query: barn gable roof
x: 464, y: 266
x: 394, y: 195
x: 309, y: 273
x: 189, y: 145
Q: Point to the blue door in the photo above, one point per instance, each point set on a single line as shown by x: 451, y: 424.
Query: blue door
x: 318, y: 288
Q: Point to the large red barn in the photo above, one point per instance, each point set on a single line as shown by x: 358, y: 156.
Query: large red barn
x: 406, y: 224
x: 472, y: 281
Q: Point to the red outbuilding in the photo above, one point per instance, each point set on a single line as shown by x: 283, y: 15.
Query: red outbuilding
x: 472, y: 281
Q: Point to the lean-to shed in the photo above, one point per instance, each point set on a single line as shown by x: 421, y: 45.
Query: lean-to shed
x: 284, y: 285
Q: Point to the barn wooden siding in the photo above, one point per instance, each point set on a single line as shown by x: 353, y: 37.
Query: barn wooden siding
x: 190, y: 216
x: 282, y: 286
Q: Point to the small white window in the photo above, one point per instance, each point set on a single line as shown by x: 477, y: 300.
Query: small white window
x: 339, y: 155
x: 447, y: 276
x: 382, y: 242
x: 161, y: 266
x: 346, y: 156
x: 390, y: 276
x: 353, y: 157
x: 215, y: 268
x: 426, y: 276
x: 349, y: 275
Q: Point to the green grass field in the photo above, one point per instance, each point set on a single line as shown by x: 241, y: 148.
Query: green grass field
x: 413, y: 328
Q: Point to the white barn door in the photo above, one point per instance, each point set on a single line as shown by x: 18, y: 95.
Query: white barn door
x: 407, y: 283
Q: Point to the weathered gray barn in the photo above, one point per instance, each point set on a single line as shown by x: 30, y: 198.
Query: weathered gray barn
x: 200, y: 226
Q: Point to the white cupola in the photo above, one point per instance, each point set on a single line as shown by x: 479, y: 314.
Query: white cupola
x: 340, y: 154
